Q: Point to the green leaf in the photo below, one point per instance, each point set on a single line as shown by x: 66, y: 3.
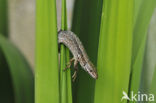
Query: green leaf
x: 86, y: 24
x: 65, y: 76
x: 149, y: 62
x: 20, y: 71
x: 6, y: 87
x: 139, y: 41
x: 47, y: 71
x: 114, y: 53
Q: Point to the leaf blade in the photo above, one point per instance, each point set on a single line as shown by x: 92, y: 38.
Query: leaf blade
x: 114, y: 54
x: 21, y: 73
x: 47, y: 73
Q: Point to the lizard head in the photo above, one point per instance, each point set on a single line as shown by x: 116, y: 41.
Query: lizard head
x: 90, y: 68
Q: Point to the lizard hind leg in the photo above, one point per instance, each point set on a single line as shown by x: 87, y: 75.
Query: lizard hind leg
x: 69, y: 64
x: 76, y: 70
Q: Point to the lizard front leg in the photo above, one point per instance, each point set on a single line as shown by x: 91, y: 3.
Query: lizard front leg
x: 69, y: 64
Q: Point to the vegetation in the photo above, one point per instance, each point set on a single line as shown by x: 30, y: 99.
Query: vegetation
x: 114, y: 33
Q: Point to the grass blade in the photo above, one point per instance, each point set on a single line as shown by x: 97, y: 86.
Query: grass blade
x: 114, y: 54
x: 65, y: 77
x: 47, y: 72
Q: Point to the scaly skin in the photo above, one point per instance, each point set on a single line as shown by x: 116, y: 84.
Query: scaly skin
x: 70, y: 40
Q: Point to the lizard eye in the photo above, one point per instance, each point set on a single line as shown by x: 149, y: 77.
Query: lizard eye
x: 91, y: 70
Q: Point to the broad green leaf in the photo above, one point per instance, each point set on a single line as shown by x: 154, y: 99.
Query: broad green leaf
x: 114, y: 53
x: 86, y: 24
x: 6, y: 87
x: 47, y: 71
x: 139, y: 41
x: 20, y: 71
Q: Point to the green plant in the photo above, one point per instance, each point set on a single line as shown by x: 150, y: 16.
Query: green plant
x: 142, y: 20
x: 47, y: 75
x: 20, y: 73
x: 115, y: 42
x: 114, y: 33
x: 114, y: 56
x: 86, y: 24
x: 65, y: 76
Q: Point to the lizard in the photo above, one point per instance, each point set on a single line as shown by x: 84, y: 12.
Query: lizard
x: 73, y: 43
